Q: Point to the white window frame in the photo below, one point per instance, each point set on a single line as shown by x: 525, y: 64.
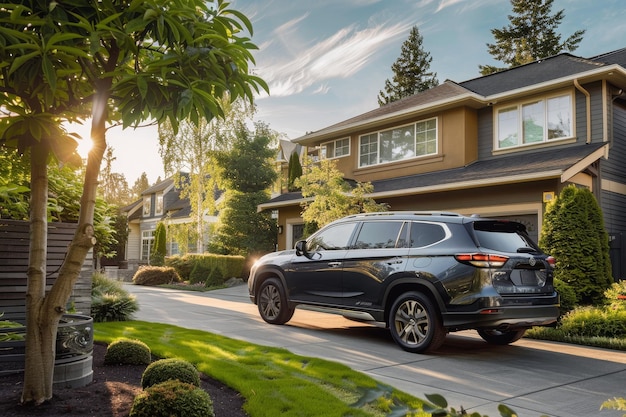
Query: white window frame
x: 158, y: 206
x: 516, y: 126
x: 374, y: 145
x: 147, y: 236
x: 328, y: 150
x: 147, y: 206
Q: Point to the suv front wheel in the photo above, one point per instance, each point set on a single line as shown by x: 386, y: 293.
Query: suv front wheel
x: 414, y: 323
x: 273, y: 305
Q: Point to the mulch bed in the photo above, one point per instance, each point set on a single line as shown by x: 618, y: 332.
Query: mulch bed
x: 111, y: 394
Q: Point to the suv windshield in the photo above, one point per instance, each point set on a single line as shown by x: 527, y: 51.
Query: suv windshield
x: 502, y: 236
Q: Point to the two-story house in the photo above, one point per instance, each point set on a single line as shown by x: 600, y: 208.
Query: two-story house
x: 499, y: 146
x: 159, y: 203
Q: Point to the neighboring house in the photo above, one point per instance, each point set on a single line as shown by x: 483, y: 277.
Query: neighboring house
x: 500, y: 146
x: 159, y: 203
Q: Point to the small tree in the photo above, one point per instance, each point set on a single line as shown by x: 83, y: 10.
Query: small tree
x: 295, y: 171
x: 330, y: 196
x: 573, y: 232
x: 531, y: 35
x: 159, y: 249
x: 411, y: 71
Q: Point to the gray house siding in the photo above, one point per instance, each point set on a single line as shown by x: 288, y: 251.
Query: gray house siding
x: 614, y: 168
x: 485, y: 133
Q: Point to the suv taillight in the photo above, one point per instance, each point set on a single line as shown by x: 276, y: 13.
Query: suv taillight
x: 482, y: 260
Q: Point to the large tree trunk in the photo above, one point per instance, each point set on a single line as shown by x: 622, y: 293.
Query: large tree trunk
x: 45, y: 310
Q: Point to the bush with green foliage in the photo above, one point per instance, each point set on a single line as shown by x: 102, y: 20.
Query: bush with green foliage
x: 127, y: 352
x: 567, y: 296
x: 109, y: 301
x: 573, y: 233
x: 210, y: 269
x: 166, y: 369
x: 159, y: 246
x: 172, y: 398
x: 156, y: 275
x: 616, y: 296
x: 594, y: 322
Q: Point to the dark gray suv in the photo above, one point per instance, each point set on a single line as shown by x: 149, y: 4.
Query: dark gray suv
x: 419, y: 274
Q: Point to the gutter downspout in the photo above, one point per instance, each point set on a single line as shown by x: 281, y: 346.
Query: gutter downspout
x: 588, y: 101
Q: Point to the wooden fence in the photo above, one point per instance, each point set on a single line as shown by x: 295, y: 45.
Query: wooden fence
x: 14, y: 249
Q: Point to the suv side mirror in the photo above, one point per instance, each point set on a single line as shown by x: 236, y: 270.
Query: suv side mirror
x: 301, y: 248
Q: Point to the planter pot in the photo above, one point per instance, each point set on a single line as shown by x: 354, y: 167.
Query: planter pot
x: 74, y: 348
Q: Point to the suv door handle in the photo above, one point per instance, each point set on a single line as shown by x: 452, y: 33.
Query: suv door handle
x: 395, y: 260
x: 334, y: 264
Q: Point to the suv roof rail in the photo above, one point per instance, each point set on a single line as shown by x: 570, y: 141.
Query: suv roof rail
x: 408, y: 212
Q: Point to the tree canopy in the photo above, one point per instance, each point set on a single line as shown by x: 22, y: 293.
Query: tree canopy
x: 531, y: 35
x: 411, y: 71
x: 119, y: 63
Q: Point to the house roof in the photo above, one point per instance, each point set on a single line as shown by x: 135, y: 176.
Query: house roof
x: 159, y: 186
x: 561, y: 162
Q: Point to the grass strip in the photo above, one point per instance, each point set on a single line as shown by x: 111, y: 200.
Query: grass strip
x: 272, y: 380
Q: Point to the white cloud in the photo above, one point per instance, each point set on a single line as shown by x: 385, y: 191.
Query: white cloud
x: 338, y: 56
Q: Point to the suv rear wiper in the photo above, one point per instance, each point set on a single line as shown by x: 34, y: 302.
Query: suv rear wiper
x: 526, y: 249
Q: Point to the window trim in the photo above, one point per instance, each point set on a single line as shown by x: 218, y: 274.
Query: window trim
x: 519, y: 107
x: 415, y: 155
x: 323, y: 148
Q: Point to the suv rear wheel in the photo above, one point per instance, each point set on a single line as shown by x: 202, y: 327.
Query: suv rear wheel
x: 414, y: 323
x: 273, y: 306
x: 497, y: 337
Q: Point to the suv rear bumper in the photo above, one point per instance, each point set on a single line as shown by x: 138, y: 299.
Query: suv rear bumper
x: 502, y: 318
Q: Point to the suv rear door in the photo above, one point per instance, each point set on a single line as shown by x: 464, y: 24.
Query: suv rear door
x: 380, y: 250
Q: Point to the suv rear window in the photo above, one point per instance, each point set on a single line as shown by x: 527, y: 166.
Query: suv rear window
x: 502, y: 236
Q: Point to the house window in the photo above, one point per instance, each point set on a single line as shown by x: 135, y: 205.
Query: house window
x: 147, y: 237
x: 399, y: 143
x: 158, y: 208
x: 335, y: 149
x: 536, y: 121
x: 147, y: 205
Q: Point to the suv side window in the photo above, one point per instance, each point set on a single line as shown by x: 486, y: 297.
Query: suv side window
x: 424, y: 234
x: 333, y: 238
x: 378, y: 234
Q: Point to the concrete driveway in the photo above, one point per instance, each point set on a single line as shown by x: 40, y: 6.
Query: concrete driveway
x: 532, y: 377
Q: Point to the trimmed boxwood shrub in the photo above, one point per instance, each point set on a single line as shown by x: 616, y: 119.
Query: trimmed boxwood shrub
x: 595, y: 322
x: 127, y: 352
x: 166, y: 369
x: 172, y: 398
x: 155, y: 275
x: 210, y: 269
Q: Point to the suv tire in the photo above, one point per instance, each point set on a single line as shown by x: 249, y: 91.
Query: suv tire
x: 415, y: 324
x: 497, y: 337
x: 273, y: 305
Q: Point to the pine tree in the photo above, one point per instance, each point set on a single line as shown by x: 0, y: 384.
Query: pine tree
x: 530, y: 36
x: 159, y: 246
x: 411, y: 71
x: 295, y: 170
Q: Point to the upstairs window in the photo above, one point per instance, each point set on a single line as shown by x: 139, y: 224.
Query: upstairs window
x: 399, y: 143
x: 535, y: 121
x: 147, y: 206
x: 335, y: 149
x: 158, y: 208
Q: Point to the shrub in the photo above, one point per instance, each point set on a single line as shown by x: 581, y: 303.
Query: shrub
x: 567, y: 295
x: 157, y: 254
x: 182, y: 264
x: 595, y: 322
x: 166, y: 369
x: 172, y: 399
x: 109, y: 301
x: 127, y: 352
x: 215, y: 269
x: 155, y: 275
x: 616, y: 296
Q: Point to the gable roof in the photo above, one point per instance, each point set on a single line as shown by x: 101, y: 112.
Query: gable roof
x: 561, y: 162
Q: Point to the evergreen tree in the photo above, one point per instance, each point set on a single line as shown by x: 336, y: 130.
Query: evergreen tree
x: 141, y: 184
x: 159, y: 246
x: 411, y: 71
x: 295, y: 171
x: 246, y: 172
x: 531, y: 35
x: 573, y: 232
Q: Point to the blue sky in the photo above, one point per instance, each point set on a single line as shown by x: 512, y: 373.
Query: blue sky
x: 326, y: 60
